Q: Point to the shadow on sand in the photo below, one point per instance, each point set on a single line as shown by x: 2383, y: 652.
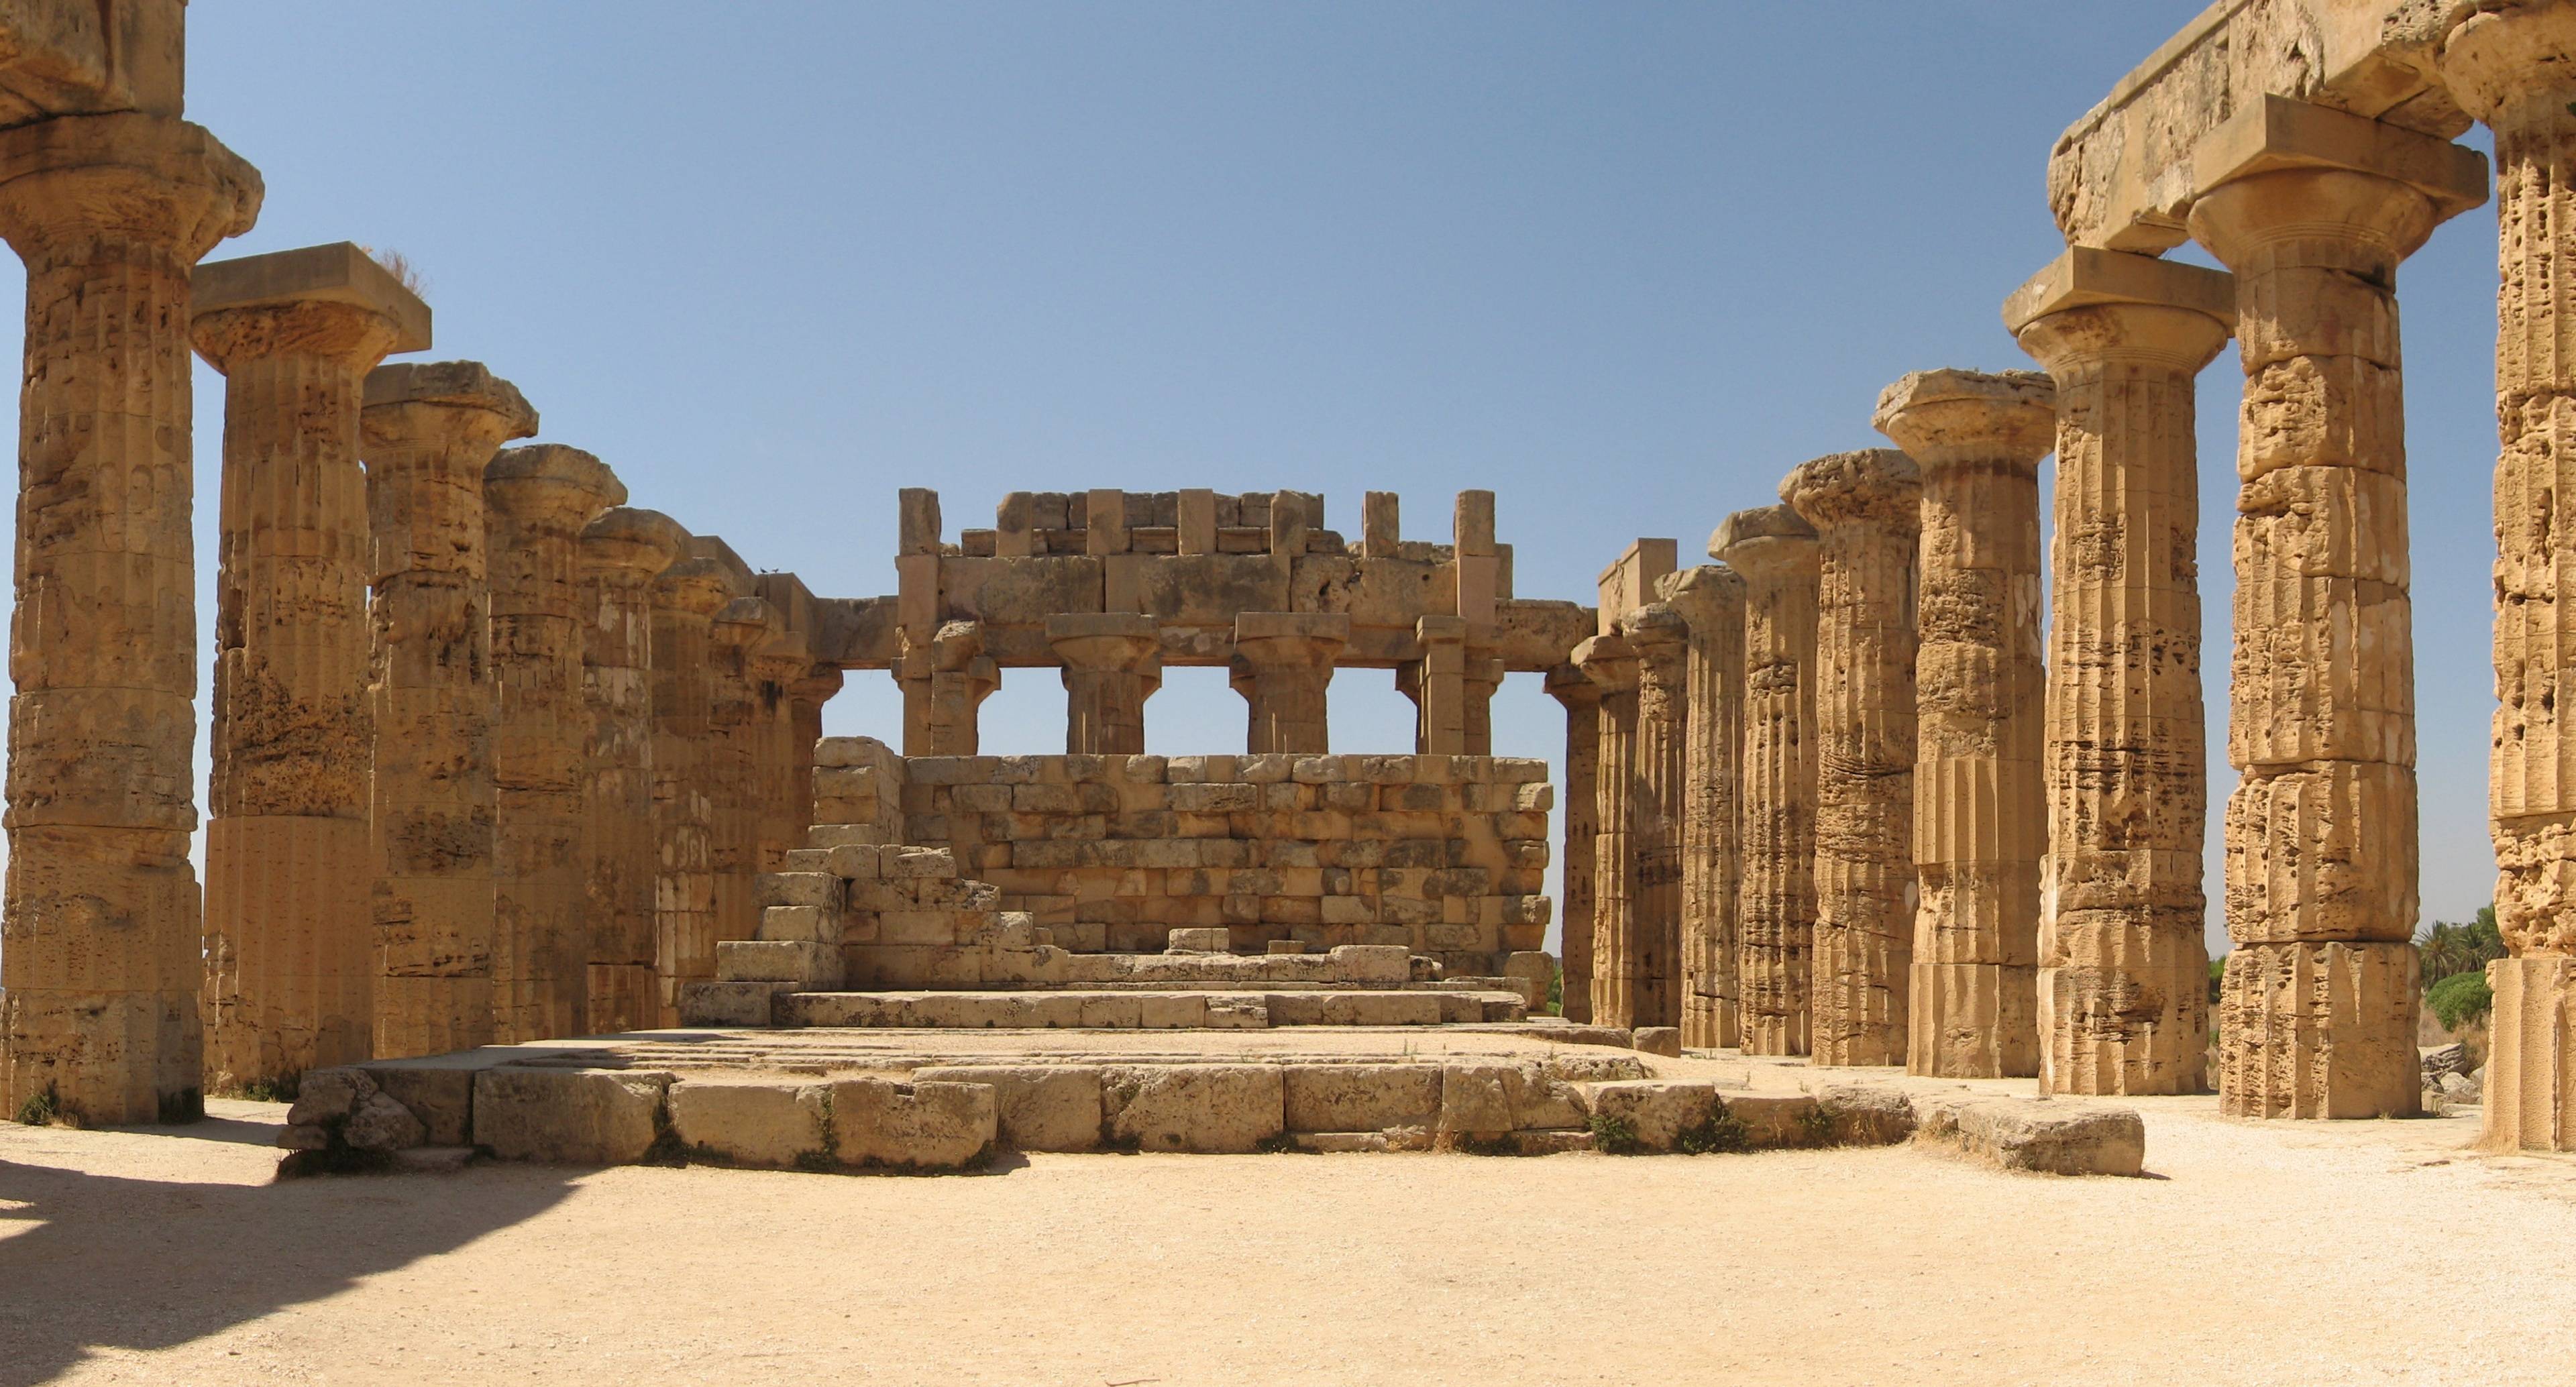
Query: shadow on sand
x: 97, y: 1261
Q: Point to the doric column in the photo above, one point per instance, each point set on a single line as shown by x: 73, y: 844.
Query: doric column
x: 537, y: 499
x: 1437, y: 684
x: 735, y: 724
x: 2515, y: 69
x: 1660, y: 639
x: 1581, y: 797
x: 428, y: 431
x: 1980, y: 807
x: 100, y: 927
x: 1283, y: 662
x: 1113, y: 662
x: 1866, y: 507
x: 805, y: 699
x: 2312, y: 209
x: 1482, y: 676
x: 686, y: 598
x: 289, y: 953
x: 778, y: 821
x: 1775, y: 800
x: 1710, y: 598
x: 945, y: 681
x: 622, y: 551
x: 2123, y: 973
x: 1609, y: 661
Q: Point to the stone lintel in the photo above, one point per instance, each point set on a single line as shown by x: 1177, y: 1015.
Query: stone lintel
x: 1333, y: 628
x: 713, y: 547
x: 2084, y: 277
x: 338, y: 273
x: 2278, y: 133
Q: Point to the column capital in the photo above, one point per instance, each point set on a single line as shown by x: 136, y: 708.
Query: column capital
x: 694, y: 587
x: 73, y: 180
x: 1127, y: 642
x: 2513, y: 63
x: 1442, y: 630
x: 455, y: 403
x: 1291, y: 638
x: 549, y: 481
x: 333, y: 302
x: 1870, y: 486
x: 1766, y: 542
x: 1569, y: 685
x: 745, y: 623
x: 1609, y: 661
x: 781, y: 659
x: 2091, y: 306
x: 637, y: 544
x: 2278, y: 134
x: 817, y: 684
x: 1952, y: 418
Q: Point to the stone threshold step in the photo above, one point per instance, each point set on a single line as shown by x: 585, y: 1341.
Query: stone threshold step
x: 1205, y: 1009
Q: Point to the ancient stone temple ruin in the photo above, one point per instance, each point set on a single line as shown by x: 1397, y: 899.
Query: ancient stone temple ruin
x: 523, y: 835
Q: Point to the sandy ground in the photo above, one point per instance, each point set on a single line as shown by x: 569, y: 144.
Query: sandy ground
x: 2308, y: 1253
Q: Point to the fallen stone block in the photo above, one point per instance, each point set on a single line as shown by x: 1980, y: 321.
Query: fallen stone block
x: 912, y: 1126
x: 1360, y: 1097
x: 1657, y: 1040
x: 568, y: 1116
x: 2056, y: 1138
x: 1225, y: 1108
x: 1636, y: 1115
x: 1037, y: 1107
x: 1859, y: 1115
x: 749, y: 1122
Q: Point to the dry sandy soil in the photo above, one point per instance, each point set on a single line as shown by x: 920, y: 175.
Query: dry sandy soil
x: 2310, y: 1253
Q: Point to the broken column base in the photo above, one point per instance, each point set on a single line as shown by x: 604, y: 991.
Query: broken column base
x: 2319, y: 1030
x: 2532, y: 1034
x: 1973, y: 1021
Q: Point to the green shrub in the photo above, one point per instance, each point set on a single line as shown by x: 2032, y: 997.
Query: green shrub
x: 1612, y: 1136
x: 1556, y: 991
x: 2217, y: 971
x: 2460, y: 1000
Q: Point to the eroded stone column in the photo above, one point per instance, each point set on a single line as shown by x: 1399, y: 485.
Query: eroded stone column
x: 100, y: 928
x: 1283, y: 664
x: 2312, y: 209
x: 1980, y: 805
x: 1775, y: 550
x: 428, y: 430
x: 1866, y: 507
x: 2123, y: 972
x: 622, y: 551
x: 537, y: 500
x: 686, y: 598
x: 945, y: 681
x: 2515, y: 69
x: 289, y: 954
x: 737, y: 728
x: 1609, y: 662
x: 778, y: 823
x: 1113, y: 662
x: 1660, y: 639
x: 1581, y: 798
x: 1710, y: 598
x: 805, y: 699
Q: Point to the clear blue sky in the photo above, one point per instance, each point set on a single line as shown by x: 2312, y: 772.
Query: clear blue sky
x: 1624, y: 264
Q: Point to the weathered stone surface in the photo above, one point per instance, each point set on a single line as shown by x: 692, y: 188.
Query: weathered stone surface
x: 1283, y: 663
x: 2318, y: 1029
x: 1658, y: 790
x: 427, y: 431
x: 1113, y: 662
x: 1581, y: 794
x: 568, y: 1116
x: 1038, y: 1107
x: 1611, y: 662
x: 2050, y: 1138
x: 1361, y: 1097
x: 912, y: 1126
x: 2123, y: 973
x: 1866, y: 507
x: 1980, y: 805
x: 1198, y: 1107
x: 100, y: 929
x: 288, y: 951
x: 1656, y: 1112
x: 685, y: 599
x: 1657, y: 1040
x: 1710, y: 599
x: 1775, y: 550
x: 622, y: 551
x: 754, y: 1122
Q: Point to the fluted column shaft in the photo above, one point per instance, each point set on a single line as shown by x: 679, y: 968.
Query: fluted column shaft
x: 1113, y: 662
x: 1866, y: 510
x: 1582, y: 800
x: 2124, y: 974
x: 1283, y: 667
x: 427, y: 433
x: 778, y: 821
x: 686, y: 598
x: 1980, y: 804
x: 537, y: 499
x: 289, y: 954
x: 622, y: 552
x: 1710, y: 599
x: 2317, y: 1014
x: 2515, y: 70
x: 737, y: 727
x: 1658, y: 792
x: 100, y: 931
x: 1609, y: 662
x: 806, y: 697
x: 1776, y: 904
